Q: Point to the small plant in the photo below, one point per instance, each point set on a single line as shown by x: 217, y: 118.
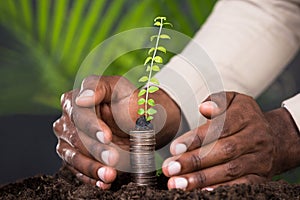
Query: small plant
x: 151, y: 64
x: 142, y: 139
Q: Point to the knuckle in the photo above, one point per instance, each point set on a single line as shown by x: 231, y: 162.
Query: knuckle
x: 90, y: 79
x: 58, y: 150
x: 233, y: 169
x: 69, y: 156
x: 197, y: 140
x: 199, y: 179
x: 62, y: 98
x: 229, y: 150
x: 57, y: 127
x: 240, y: 118
x: 74, y: 140
x: 196, y: 161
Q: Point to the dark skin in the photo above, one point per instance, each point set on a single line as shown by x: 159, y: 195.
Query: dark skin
x: 253, y: 146
x: 83, y: 117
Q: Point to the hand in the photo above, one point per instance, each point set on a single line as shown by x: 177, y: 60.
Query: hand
x: 84, y: 136
x: 251, y: 148
x: 96, y: 119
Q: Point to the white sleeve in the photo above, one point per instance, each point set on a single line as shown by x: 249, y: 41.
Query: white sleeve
x: 293, y: 106
x: 250, y: 42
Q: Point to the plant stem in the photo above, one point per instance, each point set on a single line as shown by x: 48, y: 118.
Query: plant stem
x: 151, y: 65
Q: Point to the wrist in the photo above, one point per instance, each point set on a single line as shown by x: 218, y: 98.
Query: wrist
x: 286, y: 140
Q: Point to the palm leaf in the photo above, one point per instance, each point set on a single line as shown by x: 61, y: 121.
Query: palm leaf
x: 44, y: 42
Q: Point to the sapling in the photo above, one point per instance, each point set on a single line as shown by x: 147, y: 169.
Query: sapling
x: 142, y: 139
x: 151, y: 64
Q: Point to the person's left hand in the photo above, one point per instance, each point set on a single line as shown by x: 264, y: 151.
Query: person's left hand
x: 242, y: 150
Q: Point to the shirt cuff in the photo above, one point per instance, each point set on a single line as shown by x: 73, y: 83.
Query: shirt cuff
x: 293, y: 106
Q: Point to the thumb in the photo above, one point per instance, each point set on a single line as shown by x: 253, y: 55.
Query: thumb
x: 216, y: 104
x: 93, y: 91
x: 209, y: 109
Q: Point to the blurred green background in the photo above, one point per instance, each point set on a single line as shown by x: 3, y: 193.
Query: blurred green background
x: 43, y: 42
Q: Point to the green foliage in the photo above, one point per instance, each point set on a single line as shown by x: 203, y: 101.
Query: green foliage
x: 151, y: 61
x: 43, y: 43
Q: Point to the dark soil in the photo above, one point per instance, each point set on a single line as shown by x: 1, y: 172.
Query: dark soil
x: 64, y: 185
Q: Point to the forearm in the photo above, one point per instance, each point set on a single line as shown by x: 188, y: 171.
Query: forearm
x: 251, y: 41
x: 286, y: 140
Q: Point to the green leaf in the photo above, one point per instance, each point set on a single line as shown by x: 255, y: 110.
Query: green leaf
x: 168, y: 24
x: 151, y: 102
x: 147, y: 60
x: 162, y: 49
x: 149, y: 118
x: 149, y: 68
x: 157, y: 23
x: 142, y: 92
x: 141, y: 111
x: 154, y: 80
x: 151, y: 50
x: 164, y: 36
x: 141, y: 101
x: 160, y: 18
x: 151, y: 111
x: 155, y: 68
x: 153, y: 37
x: 158, y: 59
x: 143, y: 79
x: 152, y: 89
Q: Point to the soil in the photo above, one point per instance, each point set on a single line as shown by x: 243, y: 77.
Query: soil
x: 63, y: 185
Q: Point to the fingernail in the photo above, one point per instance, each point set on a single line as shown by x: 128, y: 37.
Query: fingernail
x: 174, y: 168
x: 101, y: 173
x: 99, y: 184
x: 105, y: 156
x: 87, y: 93
x: 180, y: 183
x: 209, y: 189
x: 180, y: 148
x: 100, y: 136
x: 209, y: 104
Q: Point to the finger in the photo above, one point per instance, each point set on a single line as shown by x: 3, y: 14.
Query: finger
x: 85, y: 119
x: 84, y: 164
x: 57, y: 127
x: 88, y: 122
x: 104, y: 153
x: 209, y: 155
x: 92, y: 92
x: 216, y: 104
x: 208, y: 108
x: 85, y: 179
x: 69, y: 134
x: 85, y: 115
x: 215, y: 175
x: 103, y: 89
x: 226, y: 124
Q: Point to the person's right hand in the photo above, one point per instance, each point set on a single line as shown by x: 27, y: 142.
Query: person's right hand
x: 96, y: 119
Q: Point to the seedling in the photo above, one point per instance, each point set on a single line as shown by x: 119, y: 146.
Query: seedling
x: 142, y: 139
x: 151, y: 64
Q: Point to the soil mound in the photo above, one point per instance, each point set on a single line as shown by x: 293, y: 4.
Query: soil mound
x: 63, y: 185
